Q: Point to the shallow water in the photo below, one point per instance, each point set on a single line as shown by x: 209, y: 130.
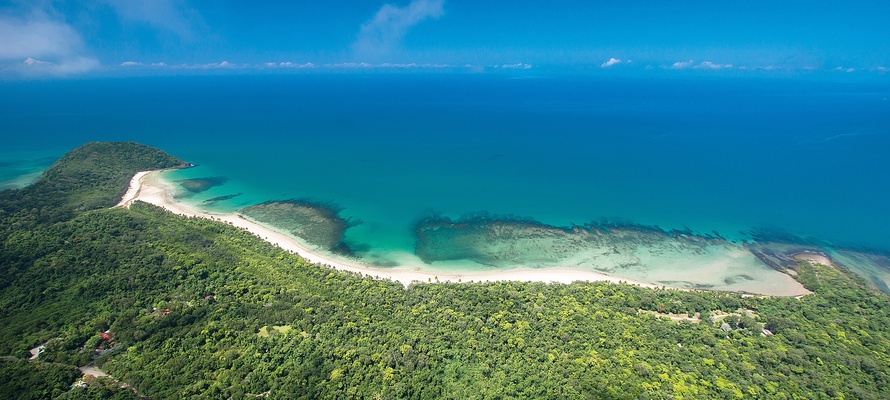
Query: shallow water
x: 21, y: 168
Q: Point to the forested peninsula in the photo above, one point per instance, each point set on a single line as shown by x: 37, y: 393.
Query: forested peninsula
x: 172, y: 307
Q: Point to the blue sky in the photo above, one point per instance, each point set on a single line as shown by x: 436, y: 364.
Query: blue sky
x: 70, y: 38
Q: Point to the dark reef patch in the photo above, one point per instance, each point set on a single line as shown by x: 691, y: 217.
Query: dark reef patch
x: 775, y: 235
x: 503, y: 241
x: 729, y: 280
x: 319, y: 224
x: 221, y: 198
x: 622, y: 248
x: 198, y: 185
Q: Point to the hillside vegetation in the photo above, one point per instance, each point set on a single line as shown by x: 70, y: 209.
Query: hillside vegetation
x: 194, y: 308
x: 92, y: 176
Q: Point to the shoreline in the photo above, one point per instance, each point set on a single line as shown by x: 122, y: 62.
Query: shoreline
x: 148, y: 187
x: 133, y: 191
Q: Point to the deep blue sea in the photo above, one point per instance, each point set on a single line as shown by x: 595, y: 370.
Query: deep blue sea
x: 726, y: 154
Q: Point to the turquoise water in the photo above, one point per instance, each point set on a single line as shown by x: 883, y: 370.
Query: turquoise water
x: 726, y: 156
x: 20, y: 168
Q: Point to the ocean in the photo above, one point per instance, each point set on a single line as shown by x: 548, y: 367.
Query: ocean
x: 718, y: 157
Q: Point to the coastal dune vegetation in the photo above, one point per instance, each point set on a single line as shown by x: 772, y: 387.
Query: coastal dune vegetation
x: 174, y: 307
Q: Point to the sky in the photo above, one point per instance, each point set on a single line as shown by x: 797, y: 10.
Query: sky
x: 73, y: 38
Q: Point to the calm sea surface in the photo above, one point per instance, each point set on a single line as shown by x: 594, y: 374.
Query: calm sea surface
x: 724, y: 155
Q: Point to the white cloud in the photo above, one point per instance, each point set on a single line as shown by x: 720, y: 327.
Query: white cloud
x: 168, y: 15
x: 845, y: 69
x: 353, y: 65
x: 883, y: 69
x: 34, y: 61
x: 288, y: 64
x: 710, y: 65
x: 159, y: 64
x: 47, y: 46
x: 682, y: 64
x: 221, y: 64
x: 516, y: 66
x: 702, y: 65
x: 398, y: 65
x: 37, y: 37
x: 414, y: 65
x: 612, y: 61
x: 349, y: 65
x: 758, y: 68
x: 67, y: 66
x: 130, y: 64
x: 380, y: 36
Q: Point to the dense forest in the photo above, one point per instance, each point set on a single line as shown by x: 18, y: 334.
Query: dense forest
x: 176, y: 308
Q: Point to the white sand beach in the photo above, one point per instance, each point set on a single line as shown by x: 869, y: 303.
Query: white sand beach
x: 149, y: 187
x: 133, y: 190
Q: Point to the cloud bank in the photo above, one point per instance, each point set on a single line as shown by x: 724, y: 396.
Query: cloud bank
x: 37, y: 45
x: 37, y: 37
x: 706, y: 65
x: 380, y: 36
